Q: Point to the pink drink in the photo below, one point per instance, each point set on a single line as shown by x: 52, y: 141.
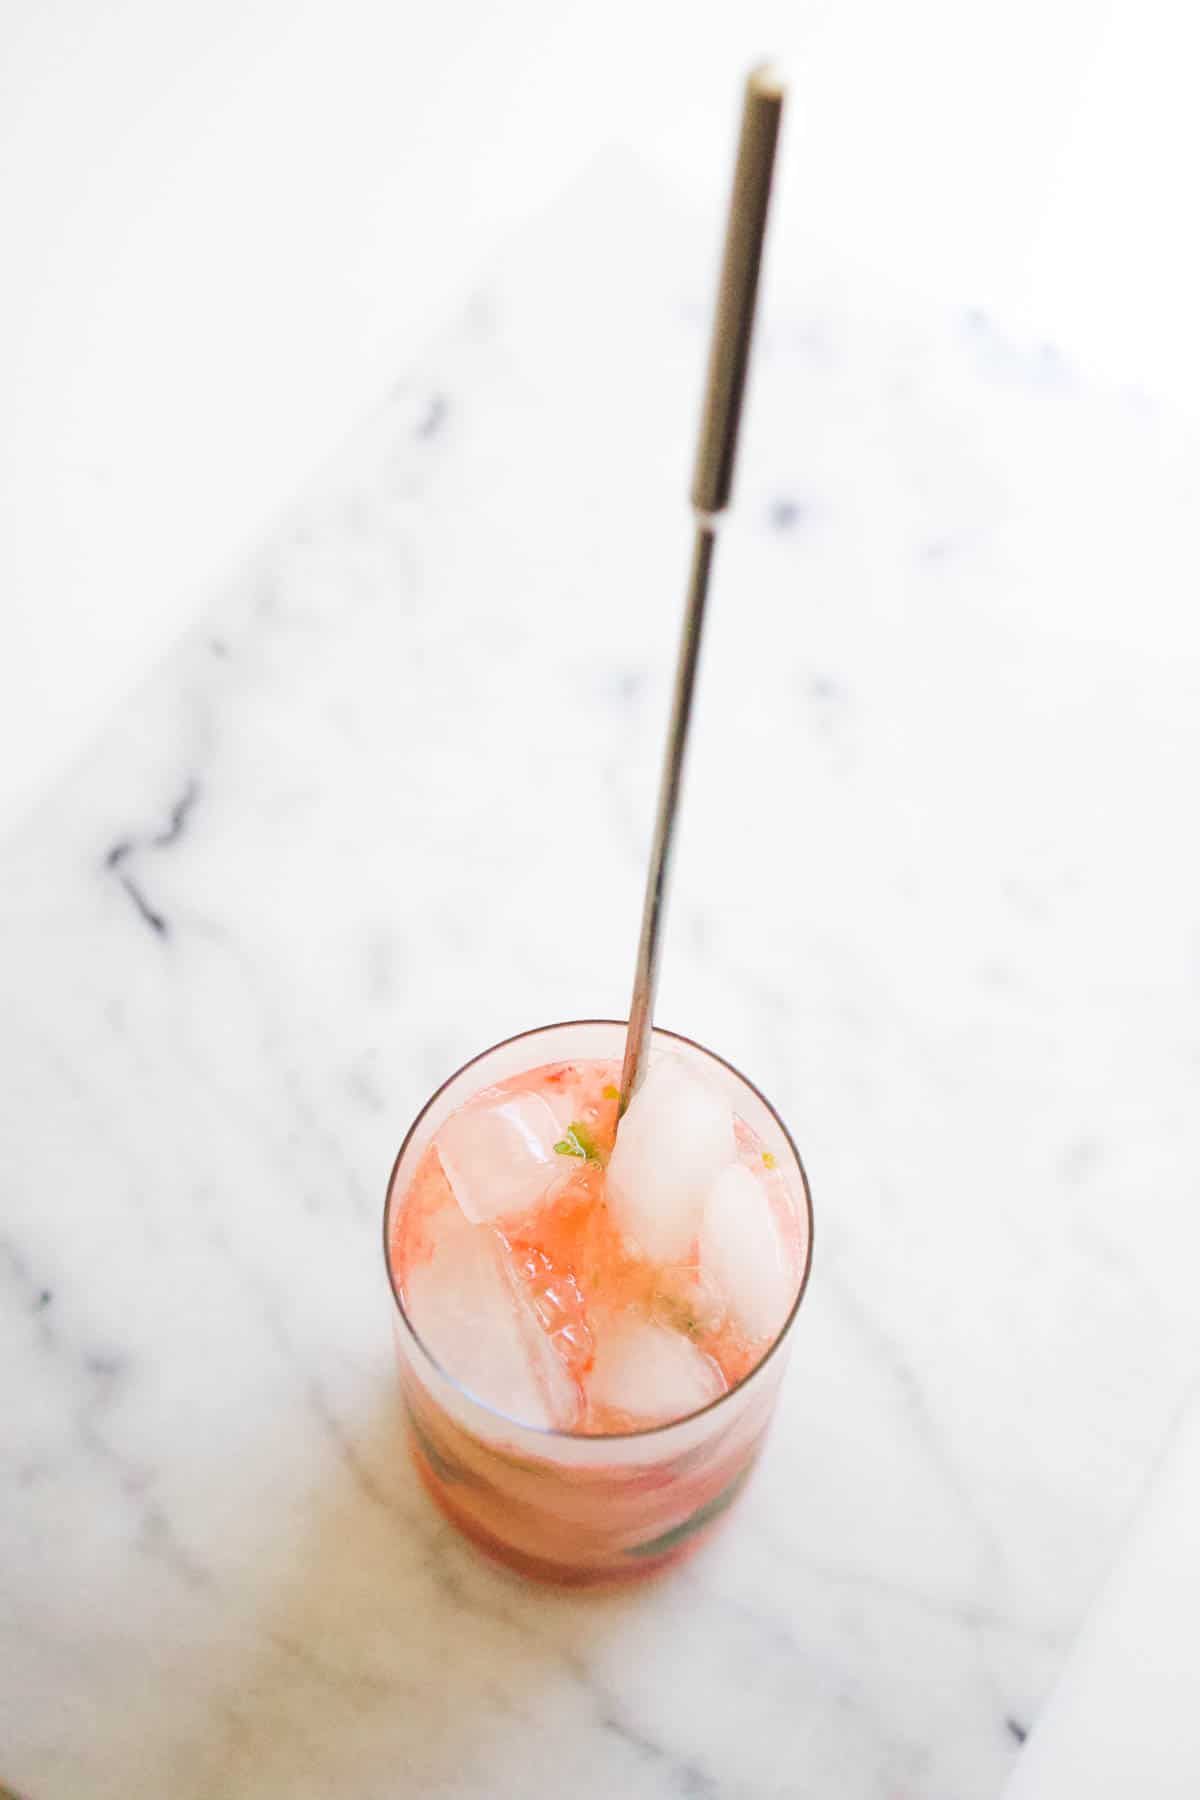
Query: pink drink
x: 586, y: 1336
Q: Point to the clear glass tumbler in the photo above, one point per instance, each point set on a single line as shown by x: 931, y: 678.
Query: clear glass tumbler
x: 557, y: 1505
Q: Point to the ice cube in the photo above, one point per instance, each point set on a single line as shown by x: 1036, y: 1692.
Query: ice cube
x: 676, y: 1135
x: 651, y: 1373
x: 498, y: 1154
x: 471, y: 1317
x: 742, y: 1253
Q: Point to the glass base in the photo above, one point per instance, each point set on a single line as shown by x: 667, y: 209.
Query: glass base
x: 647, y: 1563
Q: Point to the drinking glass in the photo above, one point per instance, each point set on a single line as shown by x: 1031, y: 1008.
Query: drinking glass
x: 557, y: 1505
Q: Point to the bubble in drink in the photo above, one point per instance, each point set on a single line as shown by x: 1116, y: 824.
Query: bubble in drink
x: 675, y: 1137
x: 578, y: 1287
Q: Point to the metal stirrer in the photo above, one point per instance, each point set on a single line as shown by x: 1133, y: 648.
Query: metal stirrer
x: 711, y: 484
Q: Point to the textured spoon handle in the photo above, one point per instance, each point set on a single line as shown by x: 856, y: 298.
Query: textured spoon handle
x: 733, y: 325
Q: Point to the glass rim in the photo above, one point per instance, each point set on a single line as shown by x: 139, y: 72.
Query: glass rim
x: 555, y: 1433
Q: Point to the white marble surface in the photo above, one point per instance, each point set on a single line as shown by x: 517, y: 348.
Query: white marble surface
x: 194, y: 308
x: 388, y: 801
x: 1123, y: 1718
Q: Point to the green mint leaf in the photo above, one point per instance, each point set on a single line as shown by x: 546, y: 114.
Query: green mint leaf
x: 677, y: 1315
x: 584, y: 1138
x: 703, y: 1515
x: 579, y: 1142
